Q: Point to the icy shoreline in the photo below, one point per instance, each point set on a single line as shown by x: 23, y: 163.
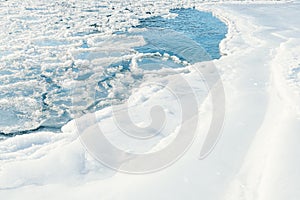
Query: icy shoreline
x: 256, y: 158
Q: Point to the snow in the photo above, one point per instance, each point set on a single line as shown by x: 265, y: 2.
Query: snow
x: 256, y: 157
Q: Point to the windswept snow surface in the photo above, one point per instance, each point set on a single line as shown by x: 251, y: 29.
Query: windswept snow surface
x: 257, y: 157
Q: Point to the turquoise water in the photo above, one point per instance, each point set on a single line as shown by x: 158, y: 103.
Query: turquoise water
x: 202, y: 27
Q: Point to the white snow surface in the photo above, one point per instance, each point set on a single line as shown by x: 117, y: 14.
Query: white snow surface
x: 257, y: 156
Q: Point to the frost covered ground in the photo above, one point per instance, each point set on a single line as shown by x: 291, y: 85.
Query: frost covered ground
x: 257, y: 156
